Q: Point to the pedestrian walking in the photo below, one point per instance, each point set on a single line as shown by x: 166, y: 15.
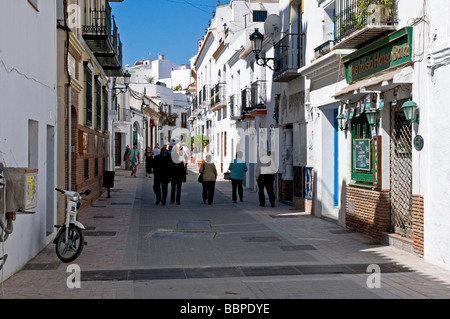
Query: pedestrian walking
x: 126, y: 157
x: 265, y: 177
x: 178, y: 176
x: 148, y: 158
x: 161, y: 175
x: 134, y: 157
x: 237, y: 169
x: 209, y: 180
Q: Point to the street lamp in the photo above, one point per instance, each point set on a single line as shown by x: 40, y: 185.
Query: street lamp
x: 342, y: 121
x: 372, y: 116
x: 410, y: 110
x: 126, y: 82
x: 257, y: 39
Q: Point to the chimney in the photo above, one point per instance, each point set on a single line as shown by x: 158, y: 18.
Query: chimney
x: 161, y: 56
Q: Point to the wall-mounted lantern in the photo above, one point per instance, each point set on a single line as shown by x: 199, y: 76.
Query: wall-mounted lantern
x: 342, y: 121
x: 410, y: 110
x: 372, y: 117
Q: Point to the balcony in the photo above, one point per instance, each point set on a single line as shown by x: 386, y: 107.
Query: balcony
x: 356, y: 25
x: 235, y: 110
x: 204, y: 98
x: 101, y: 35
x: 258, y: 95
x: 288, y: 58
x: 218, y: 96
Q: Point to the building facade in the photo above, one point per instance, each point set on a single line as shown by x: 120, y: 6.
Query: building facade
x: 28, y: 128
x: 89, y: 61
x: 232, y: 97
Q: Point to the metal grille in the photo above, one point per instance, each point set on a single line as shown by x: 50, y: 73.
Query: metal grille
x: 401, y: 172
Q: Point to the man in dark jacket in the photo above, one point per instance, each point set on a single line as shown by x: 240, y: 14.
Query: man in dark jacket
x: 161, y: 173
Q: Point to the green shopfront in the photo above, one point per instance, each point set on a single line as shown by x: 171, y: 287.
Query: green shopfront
x: 378, y: 198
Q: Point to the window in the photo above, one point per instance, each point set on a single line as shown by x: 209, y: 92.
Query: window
x: 88, y: 92
x: 96, y: 167
x: 98, y: 105
x: 225, y: 144
x: 86, y: 169
x: 183, y: 120
x: 34, y: 3
x: 361, y: 136
x: 105, y: 110
x: 259, y: 16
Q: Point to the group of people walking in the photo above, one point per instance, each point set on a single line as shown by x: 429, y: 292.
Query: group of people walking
x: 165, y: 170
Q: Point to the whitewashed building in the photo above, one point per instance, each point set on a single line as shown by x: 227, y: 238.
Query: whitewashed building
x: 227, y: 74
x: 152, y: 111
x: 384, y: 175
x: 431, y: 170
x: 28, y: 118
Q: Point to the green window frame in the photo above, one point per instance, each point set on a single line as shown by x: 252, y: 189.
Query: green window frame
x: 105, y: 110
x: 99, y: 106
x: 360, y: 129
x: 88, y: 92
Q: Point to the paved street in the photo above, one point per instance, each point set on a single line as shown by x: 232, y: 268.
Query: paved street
x: 138, y: 250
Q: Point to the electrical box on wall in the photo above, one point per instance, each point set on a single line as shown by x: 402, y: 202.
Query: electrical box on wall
x: 21, y: 189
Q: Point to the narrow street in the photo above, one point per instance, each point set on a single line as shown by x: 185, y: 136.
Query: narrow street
x: 137, y: 250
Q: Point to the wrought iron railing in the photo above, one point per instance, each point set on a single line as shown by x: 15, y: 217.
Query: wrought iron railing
x: 351, y: 15
x: 246, y: 98
x: 102, y: 23
x: 204, y: 96
x: 218, y: 94
x: 258, y: 94
x: 288, y: 54
x: 235, y: 108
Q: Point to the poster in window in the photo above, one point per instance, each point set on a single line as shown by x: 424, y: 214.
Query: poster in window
x: 362, y: 154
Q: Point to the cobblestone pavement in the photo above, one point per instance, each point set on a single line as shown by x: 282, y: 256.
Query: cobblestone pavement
x: 139, y: 250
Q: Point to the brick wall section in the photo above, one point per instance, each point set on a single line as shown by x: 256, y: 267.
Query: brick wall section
x: 94, y: 183
x: 367, y: 211
x: 417, y: 210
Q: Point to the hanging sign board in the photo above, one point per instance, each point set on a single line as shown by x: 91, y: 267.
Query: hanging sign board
x: 386, y: 53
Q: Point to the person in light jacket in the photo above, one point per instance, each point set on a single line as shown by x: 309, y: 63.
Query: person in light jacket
x: 237, y: 169
x: 209, y: 179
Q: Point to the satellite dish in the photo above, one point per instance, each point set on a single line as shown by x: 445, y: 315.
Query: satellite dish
x: 272, y: 27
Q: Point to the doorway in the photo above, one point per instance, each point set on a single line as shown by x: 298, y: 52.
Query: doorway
x: 401, y: 172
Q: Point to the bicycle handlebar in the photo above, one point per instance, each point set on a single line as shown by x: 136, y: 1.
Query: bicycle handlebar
x: 59, y: 190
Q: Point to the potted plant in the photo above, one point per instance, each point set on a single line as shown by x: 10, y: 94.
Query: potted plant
x: 367, y: 8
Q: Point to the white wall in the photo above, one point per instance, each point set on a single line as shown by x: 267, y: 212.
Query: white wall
x: 434, y: 182
x: 28, y: 92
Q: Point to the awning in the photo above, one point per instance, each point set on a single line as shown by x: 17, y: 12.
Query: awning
x: 381, y: 82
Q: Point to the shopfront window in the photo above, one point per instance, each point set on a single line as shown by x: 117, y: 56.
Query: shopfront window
x: 362, y: 161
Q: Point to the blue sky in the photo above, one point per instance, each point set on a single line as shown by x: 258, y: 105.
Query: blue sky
x: 148, y: 28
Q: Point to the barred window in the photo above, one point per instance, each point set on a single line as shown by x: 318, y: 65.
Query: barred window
x: 88, y: 92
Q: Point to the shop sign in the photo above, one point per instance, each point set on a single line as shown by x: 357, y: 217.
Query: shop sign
x: 384, y: 54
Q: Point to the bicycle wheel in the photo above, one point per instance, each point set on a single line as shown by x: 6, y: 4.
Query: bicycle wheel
x: 69, y: 251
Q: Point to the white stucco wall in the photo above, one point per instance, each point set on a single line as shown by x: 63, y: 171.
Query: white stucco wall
x: 28, y: 93
x: 434, y: 127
